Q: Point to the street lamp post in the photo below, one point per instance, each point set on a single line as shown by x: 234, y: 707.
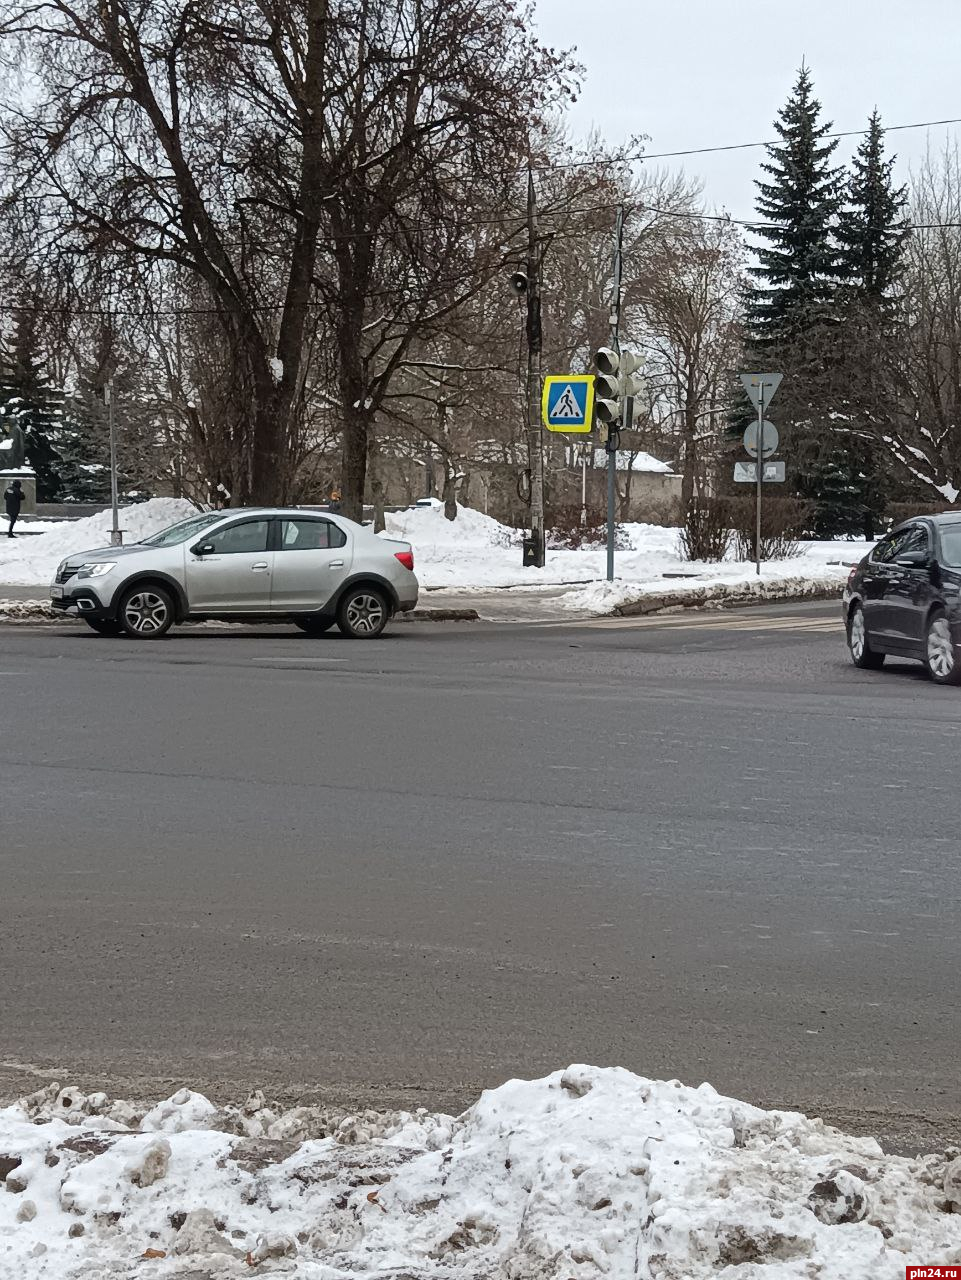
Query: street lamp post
x: 116, y: 537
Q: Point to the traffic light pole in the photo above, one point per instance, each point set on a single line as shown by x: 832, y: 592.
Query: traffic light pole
x: 613, y: 435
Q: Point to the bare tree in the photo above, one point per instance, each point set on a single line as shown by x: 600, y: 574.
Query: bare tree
x: 688, y: 290
x: 295, y: 159
x: 924, y: 431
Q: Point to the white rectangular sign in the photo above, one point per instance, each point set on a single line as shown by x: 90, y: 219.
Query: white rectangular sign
x: 746, y: 473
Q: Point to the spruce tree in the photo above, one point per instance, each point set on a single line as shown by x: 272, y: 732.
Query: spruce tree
x: 84, y: 445
x: 871, y: 236
x: 798, y: 203
x: 84, y: 442
x: 796, y: 310
x: 871, y: 229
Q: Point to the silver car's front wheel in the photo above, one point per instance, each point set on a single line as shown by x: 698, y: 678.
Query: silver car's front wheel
x: 940, y: 655
x: 146, y: 613
x: 363, y: 614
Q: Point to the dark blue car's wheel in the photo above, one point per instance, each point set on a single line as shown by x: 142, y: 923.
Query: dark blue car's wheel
x: 862, y: 655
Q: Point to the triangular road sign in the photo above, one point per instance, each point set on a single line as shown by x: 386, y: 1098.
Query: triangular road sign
x: 753, y: 384
x: 566, y: 407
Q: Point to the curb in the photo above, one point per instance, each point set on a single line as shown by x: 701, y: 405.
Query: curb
x: 14, y: 612
x: 438, y: 615
x: 723, y: 597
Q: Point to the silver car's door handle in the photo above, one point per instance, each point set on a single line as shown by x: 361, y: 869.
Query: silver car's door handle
x: 335, y: 564
x: 259, y: 566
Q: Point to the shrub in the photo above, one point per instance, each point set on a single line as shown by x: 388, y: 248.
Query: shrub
x: 706, y: 533
x: 783, y: 521
x: 566, y: 533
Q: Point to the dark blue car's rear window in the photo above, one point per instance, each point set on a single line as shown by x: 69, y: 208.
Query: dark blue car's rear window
x: 951, y: 545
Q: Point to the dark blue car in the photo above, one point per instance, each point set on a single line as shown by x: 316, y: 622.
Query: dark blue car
x: 904, y: 598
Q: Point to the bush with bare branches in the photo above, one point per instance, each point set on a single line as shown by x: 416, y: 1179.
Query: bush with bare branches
x: 566, y: 533
x: 706, y: 532
x: 783, y: 522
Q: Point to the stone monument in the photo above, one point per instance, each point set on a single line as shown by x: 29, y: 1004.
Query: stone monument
x: 13, y: 466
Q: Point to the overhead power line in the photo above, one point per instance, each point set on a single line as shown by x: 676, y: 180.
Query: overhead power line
x: 730, y: 146
x: 509, y: 217
x: 640, y: 157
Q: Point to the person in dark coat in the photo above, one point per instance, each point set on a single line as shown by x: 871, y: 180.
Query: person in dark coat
x: 12, y: 501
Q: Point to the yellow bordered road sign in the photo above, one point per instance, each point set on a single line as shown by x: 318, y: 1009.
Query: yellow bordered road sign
x: 568, y: 402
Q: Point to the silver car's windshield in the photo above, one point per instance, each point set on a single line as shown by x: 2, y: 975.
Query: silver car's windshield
x: 182, y: 531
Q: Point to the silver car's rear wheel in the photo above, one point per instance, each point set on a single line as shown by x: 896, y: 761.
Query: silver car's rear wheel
x: 363, y: 613
x: 146, y: 613
x: 940, y: 654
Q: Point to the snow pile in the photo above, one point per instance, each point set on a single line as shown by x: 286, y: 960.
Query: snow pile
x: 428, y: 529
x: 34, y: 560
x: 628, y: 461
x: 474, y: 551
x: 588, y: 1173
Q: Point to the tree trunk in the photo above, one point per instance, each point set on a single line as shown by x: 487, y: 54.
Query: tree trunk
x: 375, y: 473
x: 353, y: 389
x: 689, y: 465
x: 266, y: 484
x: 450, y: 491
x: 354, y: 462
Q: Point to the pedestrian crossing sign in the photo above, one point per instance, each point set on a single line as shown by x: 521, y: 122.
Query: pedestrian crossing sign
x: 568, y: 402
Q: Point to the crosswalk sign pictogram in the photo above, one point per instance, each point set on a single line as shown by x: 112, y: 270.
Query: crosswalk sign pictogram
x: 568, y: 402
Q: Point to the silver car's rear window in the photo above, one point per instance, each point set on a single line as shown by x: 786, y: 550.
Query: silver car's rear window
x: 184, y: 530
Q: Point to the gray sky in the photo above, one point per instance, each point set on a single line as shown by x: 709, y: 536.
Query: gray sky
x: 709, y: 72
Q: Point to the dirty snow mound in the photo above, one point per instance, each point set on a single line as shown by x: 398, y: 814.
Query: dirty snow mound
x: 588, y: 1173
x: 716, y: 590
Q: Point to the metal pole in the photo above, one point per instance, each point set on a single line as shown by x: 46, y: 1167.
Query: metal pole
x: 760, y: 474
x: 116, y: 537
x: 535, y: 431
x: 583, y: 484
x: 612, y: 439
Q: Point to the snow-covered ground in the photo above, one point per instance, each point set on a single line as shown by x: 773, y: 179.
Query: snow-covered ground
x: 33, y: 560
x: 476, y: 551
x: 588, y: 1173
x: 473, y: 551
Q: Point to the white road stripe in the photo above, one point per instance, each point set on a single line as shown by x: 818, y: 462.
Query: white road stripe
x: 825, y: 625
x: 266, y: 661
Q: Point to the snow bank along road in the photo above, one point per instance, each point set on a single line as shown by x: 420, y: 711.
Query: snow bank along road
x: 394, y: 873
x: 586, y: 1173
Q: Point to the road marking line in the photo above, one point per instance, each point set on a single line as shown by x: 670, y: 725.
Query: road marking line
x: 726, y: 624
x: 262, y: 661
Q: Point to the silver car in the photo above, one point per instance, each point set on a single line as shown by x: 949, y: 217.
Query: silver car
x: 308, y: 568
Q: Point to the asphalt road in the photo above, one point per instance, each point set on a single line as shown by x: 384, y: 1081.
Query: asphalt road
x: 400, y: 871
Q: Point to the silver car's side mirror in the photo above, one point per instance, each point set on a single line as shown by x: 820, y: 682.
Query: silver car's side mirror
x: 204, y: 549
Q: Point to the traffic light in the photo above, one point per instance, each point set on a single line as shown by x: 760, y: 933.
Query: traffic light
x: 615, y: 382
x: 607, y: 408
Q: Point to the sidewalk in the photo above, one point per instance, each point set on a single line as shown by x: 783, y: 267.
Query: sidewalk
x: 503, y: 604
x: 511, y: 604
